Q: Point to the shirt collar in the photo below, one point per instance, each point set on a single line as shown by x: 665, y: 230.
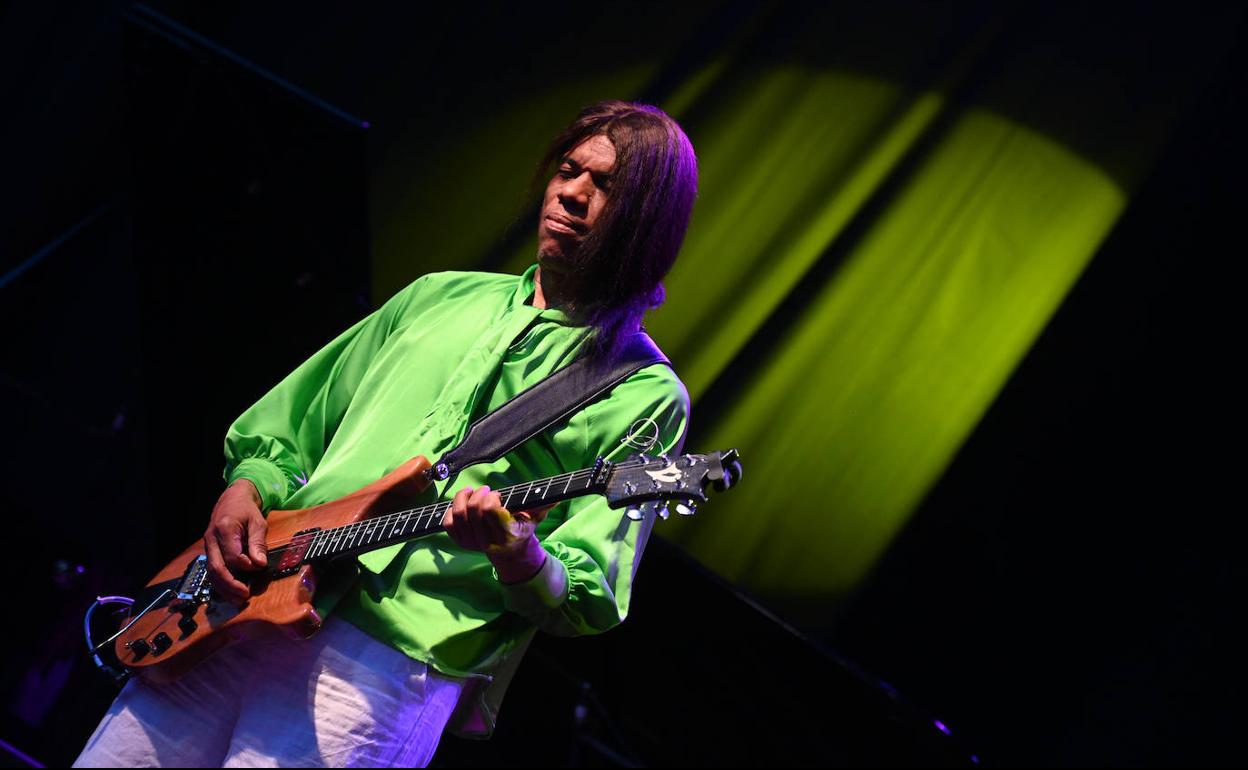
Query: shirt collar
x: 524, y: 295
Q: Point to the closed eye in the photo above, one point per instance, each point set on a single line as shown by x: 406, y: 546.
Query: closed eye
x: 573, y: 169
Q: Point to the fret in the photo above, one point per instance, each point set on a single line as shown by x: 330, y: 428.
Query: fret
x: 344, y: 538
x: 317, y: 543
x: 436, y: 514
x: 369, y: 534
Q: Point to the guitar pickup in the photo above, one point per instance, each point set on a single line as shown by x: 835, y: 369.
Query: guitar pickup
x: 294, y: 553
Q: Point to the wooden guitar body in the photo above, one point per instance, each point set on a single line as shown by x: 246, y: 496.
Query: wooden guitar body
x: 188, y: 625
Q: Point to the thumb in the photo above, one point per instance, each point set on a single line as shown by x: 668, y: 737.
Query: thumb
x: 536, y: 515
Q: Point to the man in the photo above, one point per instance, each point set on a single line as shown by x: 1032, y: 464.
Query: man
x: 425, y: 634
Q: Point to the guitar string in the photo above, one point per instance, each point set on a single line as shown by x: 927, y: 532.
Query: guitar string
x: 422, y: 511
x: 435, y: 511
x: 390, y: 518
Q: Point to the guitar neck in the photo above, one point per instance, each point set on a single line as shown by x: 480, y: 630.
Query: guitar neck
x: 381, y: 531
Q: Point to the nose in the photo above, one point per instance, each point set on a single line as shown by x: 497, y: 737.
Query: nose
x: 576, y: 192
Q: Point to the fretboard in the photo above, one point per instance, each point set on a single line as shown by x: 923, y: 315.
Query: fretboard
x: 380, y: 531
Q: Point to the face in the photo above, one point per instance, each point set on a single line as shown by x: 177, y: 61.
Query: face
x: 573, y: 201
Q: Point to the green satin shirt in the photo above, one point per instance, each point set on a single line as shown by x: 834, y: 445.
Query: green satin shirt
x: 408, y: 380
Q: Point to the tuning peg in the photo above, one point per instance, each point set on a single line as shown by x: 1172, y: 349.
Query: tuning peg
x: 730, y: 475
x: 664, y: 513
x: 687, y: 508
x: 634, y: 513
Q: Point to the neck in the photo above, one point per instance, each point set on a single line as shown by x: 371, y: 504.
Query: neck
x: 380, y: 531
x: 546, y: 290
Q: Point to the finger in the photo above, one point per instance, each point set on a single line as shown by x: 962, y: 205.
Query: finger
x: 222, y: 580
x: 460, y: 499
x: 461, y: 531
x: 496, y: 520
x: 230, y: 538
x: 478, y: 511
x: 477, y: 498
x: 257, y: 548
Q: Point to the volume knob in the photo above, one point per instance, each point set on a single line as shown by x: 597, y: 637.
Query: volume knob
x: 161, y: 642
x: 140, y: 648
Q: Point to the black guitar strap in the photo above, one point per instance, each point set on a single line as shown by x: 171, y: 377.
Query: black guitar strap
x: 555, y: 398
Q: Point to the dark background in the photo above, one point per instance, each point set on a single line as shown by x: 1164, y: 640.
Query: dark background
x: 181, y: 229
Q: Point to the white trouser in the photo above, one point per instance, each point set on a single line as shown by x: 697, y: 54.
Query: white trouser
x: 339, y: 699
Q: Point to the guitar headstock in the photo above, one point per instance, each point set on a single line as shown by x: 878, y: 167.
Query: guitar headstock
x: 682, y: 480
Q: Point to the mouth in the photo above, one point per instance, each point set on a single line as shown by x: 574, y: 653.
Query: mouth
x: 559, y: 226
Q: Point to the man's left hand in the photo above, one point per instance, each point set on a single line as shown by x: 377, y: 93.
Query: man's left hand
x: 478, y: 521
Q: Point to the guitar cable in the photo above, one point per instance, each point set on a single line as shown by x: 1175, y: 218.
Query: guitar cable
x: 118, y: 676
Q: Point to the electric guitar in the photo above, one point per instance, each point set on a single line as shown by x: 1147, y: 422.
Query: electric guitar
x: 179, y: 619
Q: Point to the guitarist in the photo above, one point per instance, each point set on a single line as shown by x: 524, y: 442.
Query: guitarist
x: 425, y: 635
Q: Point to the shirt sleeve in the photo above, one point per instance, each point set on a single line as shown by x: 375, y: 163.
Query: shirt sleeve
x: 278, y: 442
x: 593, y: 553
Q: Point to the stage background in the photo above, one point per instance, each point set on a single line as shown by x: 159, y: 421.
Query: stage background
x: 958, y: 286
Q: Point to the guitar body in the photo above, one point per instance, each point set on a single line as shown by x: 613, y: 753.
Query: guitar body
x: 189, y: 622
x: 179, y: 620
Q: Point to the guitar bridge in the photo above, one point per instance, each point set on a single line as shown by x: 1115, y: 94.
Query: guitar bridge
x: 191, y: 587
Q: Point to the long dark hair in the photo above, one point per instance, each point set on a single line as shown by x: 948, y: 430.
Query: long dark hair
x: 620, y: 265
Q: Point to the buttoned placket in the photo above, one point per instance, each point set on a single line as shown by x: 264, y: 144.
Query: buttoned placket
x: 446, y: 423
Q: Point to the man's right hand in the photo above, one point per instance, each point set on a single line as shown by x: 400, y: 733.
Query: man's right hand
x: 235, y: 539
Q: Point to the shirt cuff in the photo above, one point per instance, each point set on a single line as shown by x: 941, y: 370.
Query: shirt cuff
x: 537, y: 596
x: 270, y: 480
